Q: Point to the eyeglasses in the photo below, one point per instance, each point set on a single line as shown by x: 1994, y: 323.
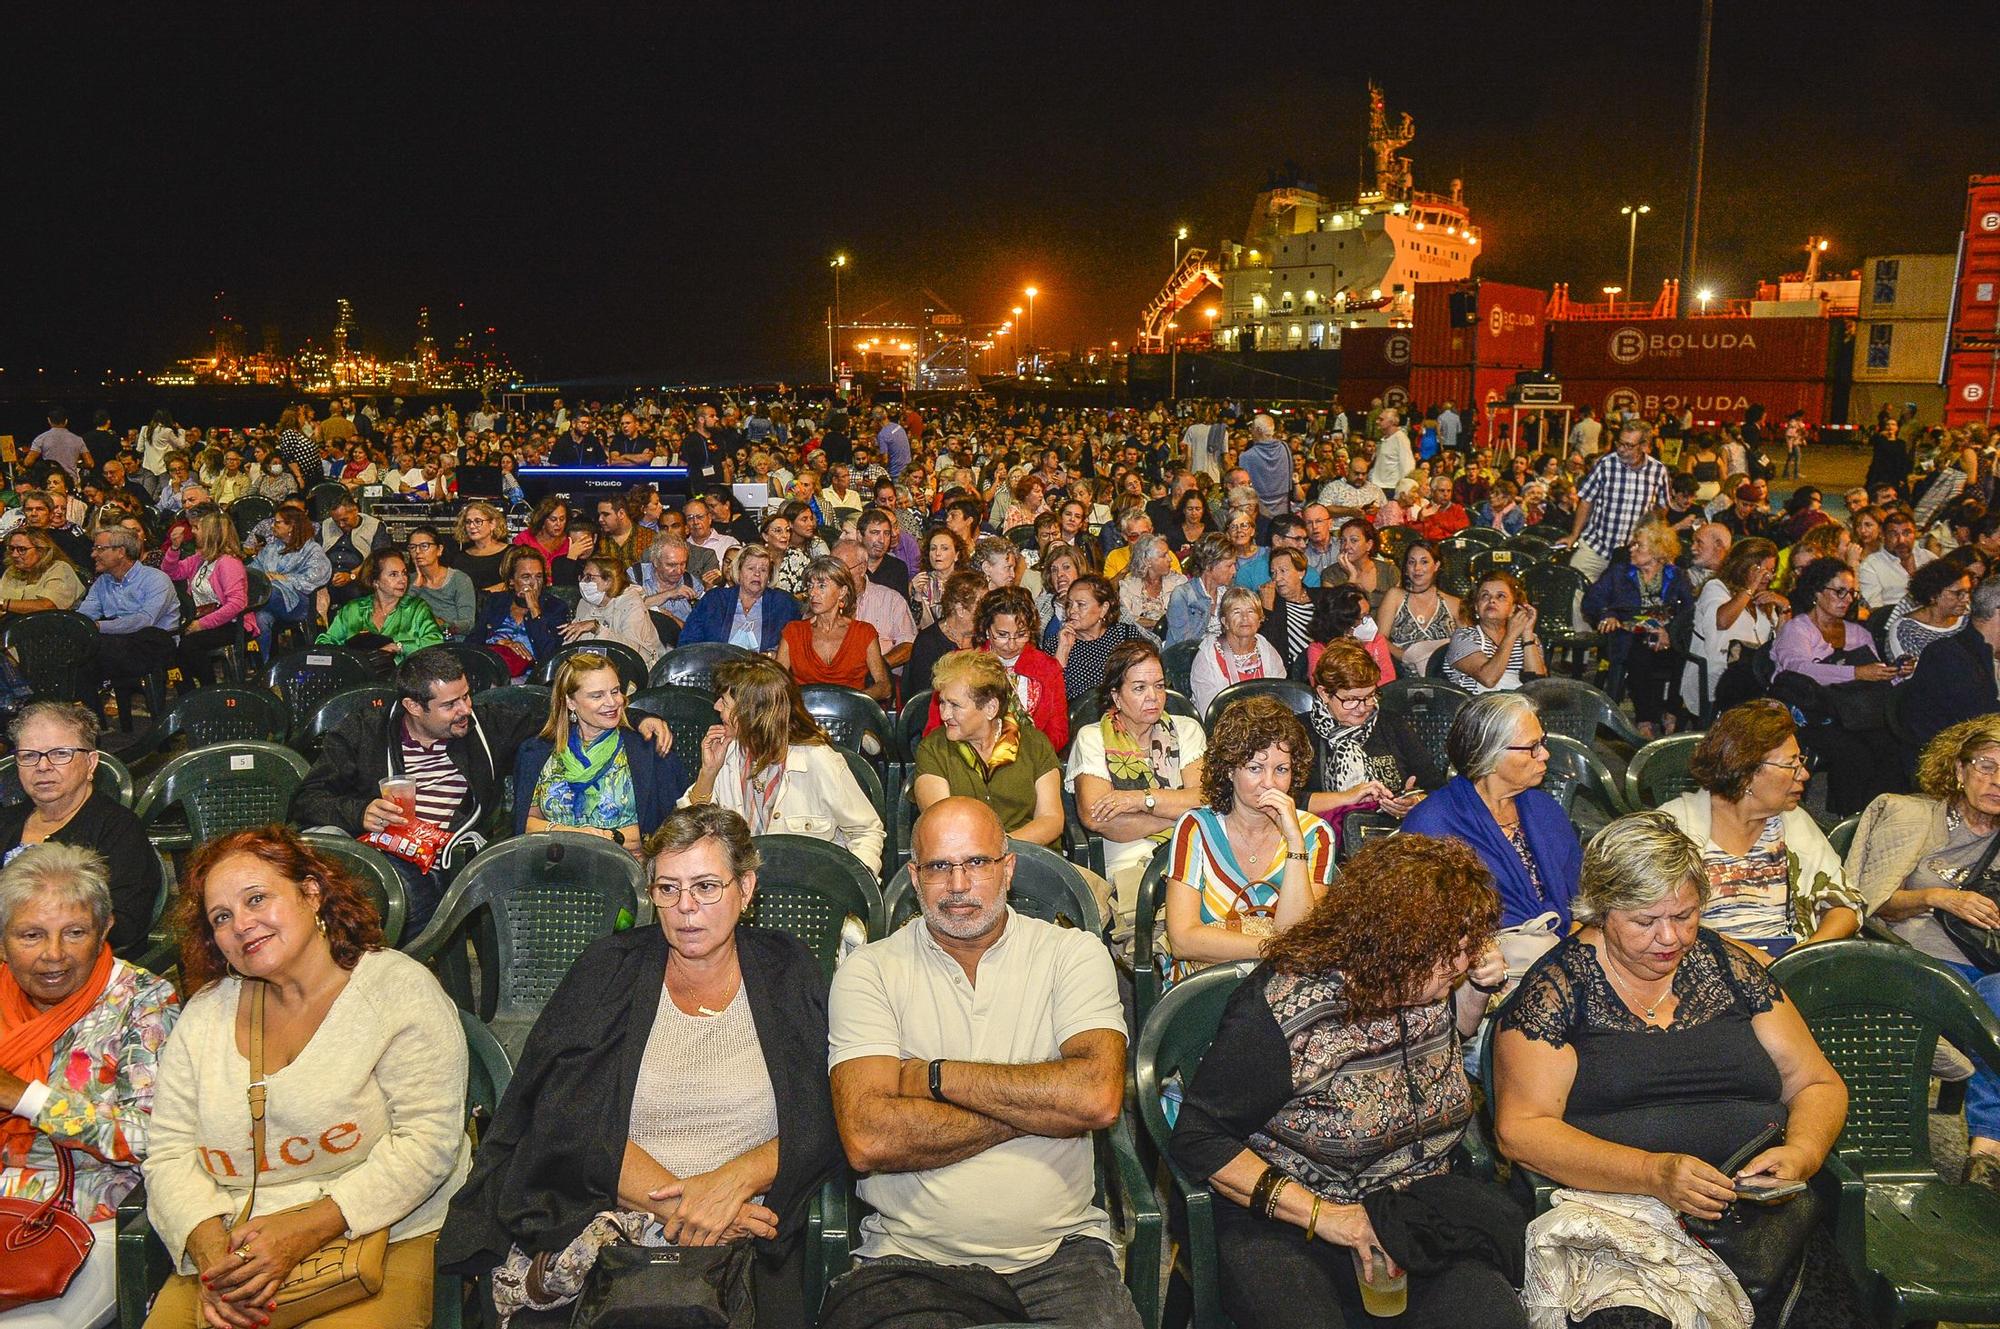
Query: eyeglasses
x: 1840, y: 592
x: 50, y: 757
x: 939, y: 872
x: 704, y: 892
x: 1365, y: 699
x: 1797, y: 765
x: 1540, y: 745
x: 1986, y: 766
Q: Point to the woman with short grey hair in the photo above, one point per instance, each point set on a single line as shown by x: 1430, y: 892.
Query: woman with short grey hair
x: 1150, y: 580
x: 1635, y: 863
x: 1524, y: 837
x: 80, y: 1038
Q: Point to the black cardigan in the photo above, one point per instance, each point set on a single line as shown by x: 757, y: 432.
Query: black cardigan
x: 551, y: 1161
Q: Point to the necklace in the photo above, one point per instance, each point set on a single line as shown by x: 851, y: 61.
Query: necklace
x: 1650, y: 1011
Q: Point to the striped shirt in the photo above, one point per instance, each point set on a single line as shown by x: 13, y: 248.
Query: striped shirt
x: 1474, y: 641
x: 441, y: 786
x: 1204, y: 861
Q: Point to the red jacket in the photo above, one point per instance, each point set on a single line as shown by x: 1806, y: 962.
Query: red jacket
x: 1048, y: 704
x: 1447, y: 521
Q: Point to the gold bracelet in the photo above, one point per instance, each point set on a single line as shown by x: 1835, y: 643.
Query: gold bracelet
x: 1312, y: 1224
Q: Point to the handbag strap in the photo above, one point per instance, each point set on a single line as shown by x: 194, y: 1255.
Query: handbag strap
x: 256, y: 1097
x: 1978, y: 873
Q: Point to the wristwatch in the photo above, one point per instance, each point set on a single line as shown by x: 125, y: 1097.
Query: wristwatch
x: 936, y: 1084
x: 1151, y: 802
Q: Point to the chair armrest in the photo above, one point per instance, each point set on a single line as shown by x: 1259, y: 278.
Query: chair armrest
x: 1845, y: 1195
x: 1480, y: 1159
x: 141, y: 1262
x: 1140, y: 1207
x: 1204, y: 1267
x: 829, y: 1241
x: 160, y: 955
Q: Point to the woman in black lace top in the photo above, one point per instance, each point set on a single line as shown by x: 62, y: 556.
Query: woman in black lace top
x: 1645, y: 1050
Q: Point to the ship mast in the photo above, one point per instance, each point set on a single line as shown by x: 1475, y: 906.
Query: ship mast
x: 1392, y: 173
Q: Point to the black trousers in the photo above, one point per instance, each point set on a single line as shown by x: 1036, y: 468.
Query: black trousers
x: 1273, y: 1279
x: 1651, y: 680
x: 127, y: 657
x: 198, y: 651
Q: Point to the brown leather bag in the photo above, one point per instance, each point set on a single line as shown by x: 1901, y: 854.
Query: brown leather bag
x: 43, y: 1243
x: 340, y: 1273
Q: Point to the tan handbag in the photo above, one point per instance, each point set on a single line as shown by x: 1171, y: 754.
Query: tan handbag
x: 340, y: 1273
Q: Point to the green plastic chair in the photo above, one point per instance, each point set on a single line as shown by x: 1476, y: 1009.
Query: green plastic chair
x: 1574, y: 769
x: 1149, y: 924
x: 56, y: 651
x: 810, y: 888
x: 1659, y: 771
x: 864, y: 775
x: 1427, y: 706
x: 1921, y: 1248
x: 1177, y: 661
x: 541, y: 899
x: 1172, y: 1043
x: 1046, y: 886
x: 161, y: 950
x: 488, y: 1072
x: 852, y: 717
x: 1841, y: 837
x: 114, y: 780
x: 688, y: 712
x: 231, y: 787
x: 335, y: 712
x: 1556, y: 590
x: 693, y: 665
x: 1293, y: 693
x: 483, y: 666
x: 631, y: 666
x: 1579, y: 710
x: 222, y: 715
x: 1484, y: 537
x: 372, y: 868
x: 307, y: 678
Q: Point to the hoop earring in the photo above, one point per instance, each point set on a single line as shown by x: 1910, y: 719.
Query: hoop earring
x: 321, y: 920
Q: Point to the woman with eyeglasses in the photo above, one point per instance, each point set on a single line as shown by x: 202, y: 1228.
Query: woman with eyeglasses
x: 1821, y: 650
x: 1777, y: 882
x: 1334, y: 1095
x: 39, y: 575
x: 1939, y: 596
x: 1495, y: 804
x: 449, y: 592
x: 673, y: 1093
x: 482, y: 543
x: 1363, y: 757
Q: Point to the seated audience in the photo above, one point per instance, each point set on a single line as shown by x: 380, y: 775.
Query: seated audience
x: 1299, y: 1119
x: 1914, y: 860
x: 1494, y: 804
x: 953, y: 628
x: 1136, y: 770
x: 39, y: 576
x: 1363, y: 759
x: 1090, y: 632
x: 138, y: 615
x: 987, y: 749
x: 524, y: 621
x: 548, y: 534
x: 212, y: 575
x: 1355, y: 564
x: 664, y: 579
x: 944, y: 554
x: 1249, y: 862
x: 610, y: 608
x: 374, y: 1087
x: 1495, y: 647
x: 1418, y: 612
x: 349, y: 536
x: 1237, y: 652
x: 751, y: 614
x: 80, y: 1040
x: 1736, y: 612
x: 881, y: 608
x: 1777, y: 882
x: 297, y: 569
x: 453, y: 600
x: 389, y: 620
x: 830, y: 645
x: 1642, y: 1054
x: 1149, y: 583
x: 1823, y: 649
x: 1959, y: 680
x: 771, y: 763
x: 588, y: 770
x: 968, y: 1109
x: 482, y: 543
x: 1933, y: 610
x: 1194, y: 610
x: 704, y: 1009
x: 1061, y: 566
x: 1006, y: 625
x: 1343, y: 616
x: 1633, y: 605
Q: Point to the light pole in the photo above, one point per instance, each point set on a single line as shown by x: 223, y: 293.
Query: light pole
x: 1632, y: 236
x: 1173, y: 363
x: 837, y: 262
x: 1180, y: 237
x: 1017, y: 341
x: 1034, y: 352
x: 1705, y: 295
x: 1611, y: 294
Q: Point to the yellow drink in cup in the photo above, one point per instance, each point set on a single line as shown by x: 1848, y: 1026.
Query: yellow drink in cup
x: 1388, y: 1295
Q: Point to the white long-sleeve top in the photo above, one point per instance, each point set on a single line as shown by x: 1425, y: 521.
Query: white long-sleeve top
x: 371, y: 1114
x: 819, y: 797
x: 624, y: 619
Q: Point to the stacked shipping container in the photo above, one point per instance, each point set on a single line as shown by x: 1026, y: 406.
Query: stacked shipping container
x: 1718, y: 368
x: 1899, y: 345
x: 1972, y: 373
x: 1471, y: 338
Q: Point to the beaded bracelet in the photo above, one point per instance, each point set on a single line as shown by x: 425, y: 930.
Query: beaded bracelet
x: 1271, y: 1201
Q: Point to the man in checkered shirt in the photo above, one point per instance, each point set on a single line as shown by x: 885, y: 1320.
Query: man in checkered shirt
x: 1621, y: 491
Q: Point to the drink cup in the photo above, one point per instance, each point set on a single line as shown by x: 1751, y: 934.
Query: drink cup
x: 1388, y: 1295
x: 403, y: 793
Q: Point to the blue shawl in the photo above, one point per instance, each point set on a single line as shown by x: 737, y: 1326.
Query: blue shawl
x: 1456, y: 812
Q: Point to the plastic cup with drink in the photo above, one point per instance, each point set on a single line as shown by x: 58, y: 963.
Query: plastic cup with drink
x: 1386, y: 1294
x: 403, y: 793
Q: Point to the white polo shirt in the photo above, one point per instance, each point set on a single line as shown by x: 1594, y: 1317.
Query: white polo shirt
x: 1039, y: 986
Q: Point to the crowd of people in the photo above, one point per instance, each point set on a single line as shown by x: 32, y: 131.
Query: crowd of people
x: 1035, y: 583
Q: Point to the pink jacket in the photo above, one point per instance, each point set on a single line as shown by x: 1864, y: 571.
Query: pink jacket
x: 229, y: 582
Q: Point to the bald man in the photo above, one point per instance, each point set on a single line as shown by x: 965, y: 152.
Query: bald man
x: 973, y: 1053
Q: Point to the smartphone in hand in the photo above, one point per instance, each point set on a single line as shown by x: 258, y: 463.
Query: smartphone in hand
x: 1766, y: 1190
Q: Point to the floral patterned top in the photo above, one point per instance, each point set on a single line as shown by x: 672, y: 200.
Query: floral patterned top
x: 100, y: 1098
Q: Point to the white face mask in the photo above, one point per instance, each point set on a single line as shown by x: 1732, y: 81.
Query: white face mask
x: 275, y: 468
x: 591, y: 592
x: 1365, y: 630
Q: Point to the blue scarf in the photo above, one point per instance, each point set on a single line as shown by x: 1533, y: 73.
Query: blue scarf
x: 1456, y: 812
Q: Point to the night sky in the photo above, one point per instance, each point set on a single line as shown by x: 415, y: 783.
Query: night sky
x: 648, y: 191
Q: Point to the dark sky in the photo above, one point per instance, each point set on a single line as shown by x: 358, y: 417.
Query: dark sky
x: 657, y: 187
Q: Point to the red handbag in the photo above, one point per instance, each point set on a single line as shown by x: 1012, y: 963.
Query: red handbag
x: 43, y: 1243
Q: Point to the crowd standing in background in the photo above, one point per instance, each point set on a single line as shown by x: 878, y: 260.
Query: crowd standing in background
x: 1175, y: 630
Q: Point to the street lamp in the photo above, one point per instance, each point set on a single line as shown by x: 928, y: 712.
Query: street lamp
x: 1180, y: 236
x: 1632, y: 235
x: 1173, y: 363
x: 1705, y: 295
x: 1017, y: 341
x: 1033, y: 351
x: 1611, y: 293
x: 837, y: 262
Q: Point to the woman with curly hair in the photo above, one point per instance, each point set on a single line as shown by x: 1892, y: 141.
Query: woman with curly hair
x: 1252, y: 862
x: 363, y: 1088
x: 1335, y: 1093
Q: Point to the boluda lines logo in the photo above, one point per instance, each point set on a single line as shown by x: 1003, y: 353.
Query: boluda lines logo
x: 1396, y: 397
x: 1652, y: 402
x: 1990, y: 221
x: 1500, y: 321
x: 1397, y: 352
x: 1973, y: 392
x: 1631, y: 345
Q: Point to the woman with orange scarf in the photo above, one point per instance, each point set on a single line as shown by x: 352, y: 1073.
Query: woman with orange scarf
x: 80, y: 1034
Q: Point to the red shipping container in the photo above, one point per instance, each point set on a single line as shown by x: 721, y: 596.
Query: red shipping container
x: 1710, y: 398
x: 1972, y: 380
x: 1375, y: 353
x: 1356, y: 394
x: 1978, y: 307
x: 1509, y: 330
x: 1472, y: 391
x: 1694, y: 349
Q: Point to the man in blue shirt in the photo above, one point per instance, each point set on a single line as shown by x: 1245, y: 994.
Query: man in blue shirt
x: 1449, y: 427
x: 135, y: 608
x: 895, y: 444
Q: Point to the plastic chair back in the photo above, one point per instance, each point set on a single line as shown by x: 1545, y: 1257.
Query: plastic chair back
x: 851, y: 718
x: 910, y: 723
x: 372, y: 699
x: 377, y: 875
x: 1576, y: 709
x: 1046, y: 886
x: 230, y: 787
x: 226, y: 715
x: 1482, y: 537
x: 305, y: 679
x: 1528, y: 542
x: 688, y: 712
x: 483, y: 666
x: 1428, y: 706
x: 810, y: 888
x: 693, y: 665
x: 1877, y: 1011
x: 864, y: 775
x: 1574, y: 769
x: 548, y: 895
x: 324, y: 497
x: 1393, y: 540
x: 1149, y: 924
x: 246, y: 512
x: 57, y: 653
x: 1841, y: 837
x: 630, y: 665
x: 1294, y: 694
x: 1177, y: 661
x: 488, y: 1068
x: 1510, y: 560
x: 1659, y: 771
x: 666, y: 628
x: 114, y: 780
x: 1556, y: 590
x: 1455, y: 565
